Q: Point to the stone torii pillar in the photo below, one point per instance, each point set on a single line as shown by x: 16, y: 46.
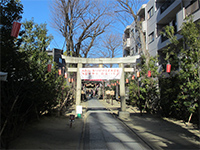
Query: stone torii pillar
x: 78, y: 87
x: 123, y: 113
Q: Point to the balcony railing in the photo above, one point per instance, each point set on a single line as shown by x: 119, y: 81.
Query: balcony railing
x: 166, y: 5
x: 192, y: 8
x: 127, y: 43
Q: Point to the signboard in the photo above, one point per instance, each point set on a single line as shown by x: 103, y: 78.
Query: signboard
x: 107, y: 92
x: 101, y: 73
x: 78, y: 109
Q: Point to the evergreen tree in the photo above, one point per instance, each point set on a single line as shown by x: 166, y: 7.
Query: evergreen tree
x: 11, y: 63
x: 184, y: 57
x: 11, y: 11
x: 190, y: 66
x: 30, y: 90
x: 144, y: 91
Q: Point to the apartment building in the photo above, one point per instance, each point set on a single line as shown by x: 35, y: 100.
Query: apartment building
x: 131, y: 41
x: 155, y: 15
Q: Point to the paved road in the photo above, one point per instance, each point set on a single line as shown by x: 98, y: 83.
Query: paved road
x: 103, y: 131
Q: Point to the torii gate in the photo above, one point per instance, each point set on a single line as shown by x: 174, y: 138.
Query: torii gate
x: 121, y: 61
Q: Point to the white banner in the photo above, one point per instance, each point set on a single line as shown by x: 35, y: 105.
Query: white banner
x: 101, y: 73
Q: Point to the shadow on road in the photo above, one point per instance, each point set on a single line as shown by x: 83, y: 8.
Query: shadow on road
x: 162, y: 133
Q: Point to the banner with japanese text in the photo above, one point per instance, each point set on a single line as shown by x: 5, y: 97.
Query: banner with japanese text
x: 101, y: 73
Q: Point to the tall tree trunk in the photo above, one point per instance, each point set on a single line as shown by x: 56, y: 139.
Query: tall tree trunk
x: 7, y: 119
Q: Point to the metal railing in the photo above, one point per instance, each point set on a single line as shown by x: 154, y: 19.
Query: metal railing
x: 166, y: 5
x: 192, y: 8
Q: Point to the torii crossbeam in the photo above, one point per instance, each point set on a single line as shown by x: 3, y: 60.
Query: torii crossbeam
x: 121, y: 61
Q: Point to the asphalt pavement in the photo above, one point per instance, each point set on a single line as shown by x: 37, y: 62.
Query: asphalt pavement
x: 157, y: 132
x: 103, y: 131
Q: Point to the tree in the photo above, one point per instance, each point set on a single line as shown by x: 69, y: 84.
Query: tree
x: 130, y: 8
x: 31, y: 90
x: 144, y: 90
x: 190, y: 66
x: 80, y: 22
x: 34, y: 43
x: 34, y: 37
x: 110, y: 47
x: 51, y: 89
x: 184, y: 55
x: 11, y: 11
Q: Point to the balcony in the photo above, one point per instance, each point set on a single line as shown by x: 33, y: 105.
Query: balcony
x: 126, y: 53
x: 144, y: 26
x: 126, y: 31
x: 127, y: 43
x: 170, y: 12
x: 166, y: 5
x: 141, y: 13
x: 192, y: 8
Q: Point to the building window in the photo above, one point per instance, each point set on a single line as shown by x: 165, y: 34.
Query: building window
x: 151, y: 37
x: 166, y: 4
x: 136, y: 51
x: 150, y: 12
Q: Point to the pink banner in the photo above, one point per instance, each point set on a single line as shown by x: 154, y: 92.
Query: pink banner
x: 101, y: 73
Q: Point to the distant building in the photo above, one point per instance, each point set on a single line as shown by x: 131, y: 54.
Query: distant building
x: 130, y: 46
x: 131, y: 40
x: 57, y: 57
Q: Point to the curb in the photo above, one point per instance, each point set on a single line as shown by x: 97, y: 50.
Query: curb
x: 84, y: 117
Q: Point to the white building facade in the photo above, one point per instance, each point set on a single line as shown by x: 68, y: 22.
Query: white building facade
x: 155, y: 15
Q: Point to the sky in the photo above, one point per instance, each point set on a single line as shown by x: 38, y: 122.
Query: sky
x: 39, y: 10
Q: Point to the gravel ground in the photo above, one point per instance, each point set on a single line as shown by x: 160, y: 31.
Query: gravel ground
x: 51, y: 133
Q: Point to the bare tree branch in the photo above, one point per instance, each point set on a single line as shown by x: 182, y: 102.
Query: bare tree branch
x: 130, y: 7
x: 111, y: 46
x: 78, y: 21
